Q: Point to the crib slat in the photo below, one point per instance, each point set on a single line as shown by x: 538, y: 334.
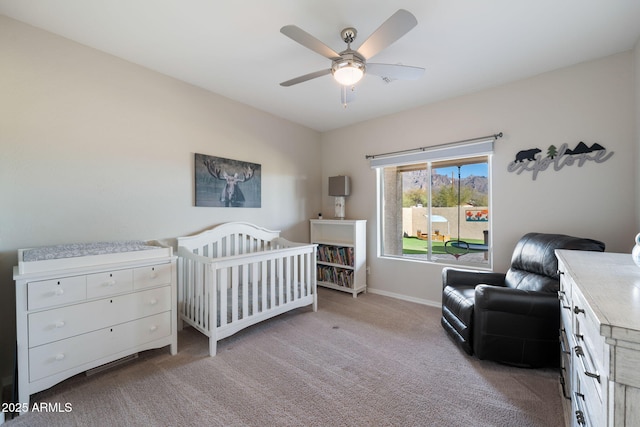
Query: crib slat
x: 204, y: 300
x: 234, y: 293
x: 204, y: 297
x: 308, y: 275
x: 222, y: 301
x: 255, y: 284
x: 303, y: 275
x: 272, y: 282
x: 296, y: 279
x: 264, y: 283
x: 245, y: 290
x: 192, y: 294
x: 288, y: 277
x: 227, y: 246
x: 197, y: 304
x: 280, y: 279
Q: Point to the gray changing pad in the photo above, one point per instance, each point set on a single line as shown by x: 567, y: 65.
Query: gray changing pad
x: 84, y: 249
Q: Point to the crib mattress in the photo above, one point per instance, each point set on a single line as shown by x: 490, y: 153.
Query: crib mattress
x: 77, y: 255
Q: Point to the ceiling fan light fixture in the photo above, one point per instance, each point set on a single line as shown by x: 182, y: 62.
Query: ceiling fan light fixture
x: 348, y: 71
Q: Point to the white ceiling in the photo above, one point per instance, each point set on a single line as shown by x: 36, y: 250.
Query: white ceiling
x: 235, y: 48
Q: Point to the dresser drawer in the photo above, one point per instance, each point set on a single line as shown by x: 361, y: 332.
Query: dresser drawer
x: 580, y: 414
x: 565, y: 362
x: 64, y: 322
x: 586, y: 330
x: 49, y: 293
x: 566, y: 284
x: 154, y: 275
x: 61, y: 355
x: 591, y: 360
x: 588, y: 401
x: 109, y: 283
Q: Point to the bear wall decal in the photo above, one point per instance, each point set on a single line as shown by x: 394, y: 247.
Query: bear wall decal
x: 527, y: 155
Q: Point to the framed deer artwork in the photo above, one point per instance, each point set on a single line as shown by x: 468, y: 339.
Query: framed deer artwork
x: 227, y: 183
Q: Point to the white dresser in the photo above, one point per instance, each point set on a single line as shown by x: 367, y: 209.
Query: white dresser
x: 74, y: 314
x: 600, y: 335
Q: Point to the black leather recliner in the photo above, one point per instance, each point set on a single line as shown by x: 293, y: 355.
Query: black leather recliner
x: 511, y: 318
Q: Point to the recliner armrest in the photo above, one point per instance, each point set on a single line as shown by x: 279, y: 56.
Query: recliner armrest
x: 516, y: 301
x: 454, y: 276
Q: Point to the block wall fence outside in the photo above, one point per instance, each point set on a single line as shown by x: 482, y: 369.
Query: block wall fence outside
x: 415, y: 219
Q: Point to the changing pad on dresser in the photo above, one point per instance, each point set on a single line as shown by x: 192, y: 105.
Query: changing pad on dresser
x: 75, y: 255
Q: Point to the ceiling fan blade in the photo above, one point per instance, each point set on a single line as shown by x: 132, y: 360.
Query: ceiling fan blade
x: 307, y: 40
x: 398, y: 24
x: 395, y: 72
x: 306, y: 77
x: 347, y: 95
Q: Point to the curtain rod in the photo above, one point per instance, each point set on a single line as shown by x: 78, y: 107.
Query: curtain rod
x: 393, y: 153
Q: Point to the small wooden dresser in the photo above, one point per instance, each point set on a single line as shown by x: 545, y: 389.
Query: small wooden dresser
x: 600, y: 335
x: 74, y: 314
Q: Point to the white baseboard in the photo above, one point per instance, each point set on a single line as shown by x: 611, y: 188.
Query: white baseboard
x: 405, y: 297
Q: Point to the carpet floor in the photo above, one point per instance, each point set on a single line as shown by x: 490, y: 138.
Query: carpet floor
x: 370, y: 361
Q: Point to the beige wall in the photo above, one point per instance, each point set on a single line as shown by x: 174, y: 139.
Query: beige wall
x: 590, y: 102
x: 96, y: 148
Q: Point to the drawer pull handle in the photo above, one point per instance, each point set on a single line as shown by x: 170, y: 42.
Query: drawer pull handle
x: 60, y: 324
x: 109, y: 283
x: 153, y: 301
x: 59, y: 356
x: 154, y: 275
x: 578, y: 310
x: 153, y: 328
x: 58, y: 291
x: 582, y: 358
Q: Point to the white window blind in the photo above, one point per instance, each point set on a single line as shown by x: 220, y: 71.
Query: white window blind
x: 457, y: 150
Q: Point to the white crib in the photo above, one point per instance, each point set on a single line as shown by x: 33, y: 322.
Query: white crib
x: 238, y: 274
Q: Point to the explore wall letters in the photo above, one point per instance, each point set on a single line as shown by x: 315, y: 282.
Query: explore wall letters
x: 531, y: 160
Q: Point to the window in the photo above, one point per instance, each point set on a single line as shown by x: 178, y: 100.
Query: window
x: 435, y: 206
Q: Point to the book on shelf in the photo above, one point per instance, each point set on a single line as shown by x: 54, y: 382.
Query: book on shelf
x: 336, y: 254
x: 335, y: 275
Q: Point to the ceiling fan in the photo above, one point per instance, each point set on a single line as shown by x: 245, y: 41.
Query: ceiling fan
x: 349, y: 66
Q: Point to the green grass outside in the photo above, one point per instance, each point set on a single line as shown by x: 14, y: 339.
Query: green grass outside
x: 413, y: 245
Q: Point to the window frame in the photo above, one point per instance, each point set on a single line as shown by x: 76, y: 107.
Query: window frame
x: 465, y: 154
